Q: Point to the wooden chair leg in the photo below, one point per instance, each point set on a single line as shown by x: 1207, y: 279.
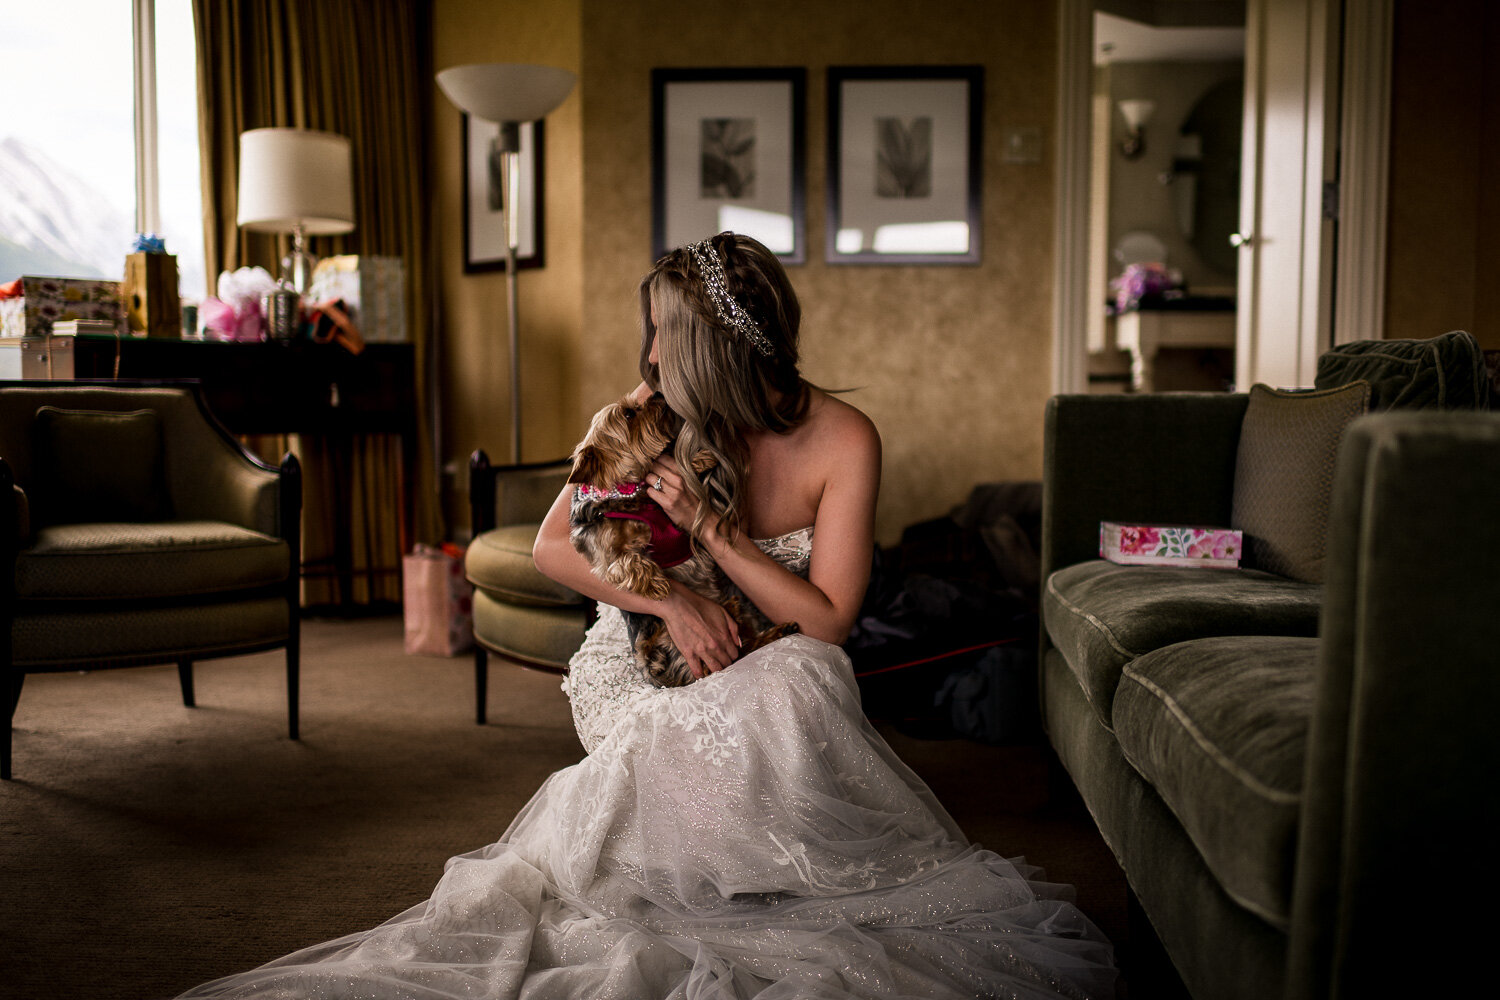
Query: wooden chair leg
x: 293, y: 686
x: 185, y: 677
x: 12, y: 696
x: 481, y: 682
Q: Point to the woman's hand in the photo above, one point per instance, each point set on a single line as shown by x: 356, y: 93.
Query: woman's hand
x: 706, y: 635
x: 665, y: 481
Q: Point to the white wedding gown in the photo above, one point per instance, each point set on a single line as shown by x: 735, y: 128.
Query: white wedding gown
x: 749, y: 835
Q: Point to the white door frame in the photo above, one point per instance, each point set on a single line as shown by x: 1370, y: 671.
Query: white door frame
x: 1364, y: 138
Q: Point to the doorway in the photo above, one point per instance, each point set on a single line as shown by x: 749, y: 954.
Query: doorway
x: 1166, y: 102
x: 1313, y: 181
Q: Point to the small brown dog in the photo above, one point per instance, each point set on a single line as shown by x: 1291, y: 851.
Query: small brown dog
x: 631, y: 543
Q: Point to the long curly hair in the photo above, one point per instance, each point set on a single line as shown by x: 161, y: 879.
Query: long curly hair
x: 719, y: 384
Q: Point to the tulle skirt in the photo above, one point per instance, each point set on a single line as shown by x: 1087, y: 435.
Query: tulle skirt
x: 750, y: 835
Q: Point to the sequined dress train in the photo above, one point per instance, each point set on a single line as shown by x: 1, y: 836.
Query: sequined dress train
x: 749, y: 835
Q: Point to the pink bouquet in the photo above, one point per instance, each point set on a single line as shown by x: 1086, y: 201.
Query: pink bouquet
x: 1141, y: 281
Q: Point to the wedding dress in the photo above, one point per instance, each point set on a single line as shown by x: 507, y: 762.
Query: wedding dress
x: 749, y: 835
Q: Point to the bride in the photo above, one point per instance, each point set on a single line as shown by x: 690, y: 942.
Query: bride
x: 749, y: 835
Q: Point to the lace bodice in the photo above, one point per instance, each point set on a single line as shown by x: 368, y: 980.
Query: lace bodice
x: 604, y: 680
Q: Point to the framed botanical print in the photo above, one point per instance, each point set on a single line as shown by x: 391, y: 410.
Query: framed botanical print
x: 485, y: 239
x: 905, y: 165
x: 727, y: 153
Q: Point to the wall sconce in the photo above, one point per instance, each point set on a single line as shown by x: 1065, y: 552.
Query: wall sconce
x: 1136, y: 114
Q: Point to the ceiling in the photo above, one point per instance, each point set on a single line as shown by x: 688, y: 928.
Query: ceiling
x: 1118, y: 39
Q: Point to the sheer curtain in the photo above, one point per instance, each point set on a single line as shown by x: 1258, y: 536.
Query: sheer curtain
x: 361, y: 69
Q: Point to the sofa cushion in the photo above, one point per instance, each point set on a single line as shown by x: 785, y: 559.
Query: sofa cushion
x: 1102, y: 615
x: 1219, y: 728
x: 99, y: 465
x: 1446, y: 373
x: 1283, y: 475
x: 129, y: 561
x: 499, y: 562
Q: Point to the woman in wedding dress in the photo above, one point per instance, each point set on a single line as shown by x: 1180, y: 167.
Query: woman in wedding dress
x: 750, y: 834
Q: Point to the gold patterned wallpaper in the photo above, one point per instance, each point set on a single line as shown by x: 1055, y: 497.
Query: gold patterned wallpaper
x: 952, y: 363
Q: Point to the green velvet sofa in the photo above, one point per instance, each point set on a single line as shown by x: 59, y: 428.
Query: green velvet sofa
x: 1295, y: 770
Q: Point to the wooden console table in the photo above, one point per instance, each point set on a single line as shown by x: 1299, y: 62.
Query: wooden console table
x: 287, y: 388
x: 1146, y: 331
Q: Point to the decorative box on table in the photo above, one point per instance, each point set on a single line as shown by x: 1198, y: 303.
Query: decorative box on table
x: 1170, y: 545
x: 373, y: 290
x: 152, y: 302
x: 44, y: 300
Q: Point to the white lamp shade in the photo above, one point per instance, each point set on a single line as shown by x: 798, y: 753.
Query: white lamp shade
x: 1137, y: 113
x: 506, y: 92
x: 292, y: 177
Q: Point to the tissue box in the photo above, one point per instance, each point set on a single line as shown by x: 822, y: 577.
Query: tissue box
x: 373, y: 289
x: 1170, y: 545
x: 43, y: 301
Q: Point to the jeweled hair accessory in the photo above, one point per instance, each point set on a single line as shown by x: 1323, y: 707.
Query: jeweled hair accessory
x: 731, y: 313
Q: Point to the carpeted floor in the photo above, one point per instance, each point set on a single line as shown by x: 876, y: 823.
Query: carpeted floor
x: 146, y: 847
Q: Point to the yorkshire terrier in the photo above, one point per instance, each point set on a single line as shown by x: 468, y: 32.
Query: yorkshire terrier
x: 631, y: 543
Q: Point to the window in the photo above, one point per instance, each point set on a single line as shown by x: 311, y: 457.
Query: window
x: 69, y: 201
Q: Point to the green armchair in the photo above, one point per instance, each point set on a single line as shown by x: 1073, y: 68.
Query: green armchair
x: 134, y: 531
x: 518, y: 613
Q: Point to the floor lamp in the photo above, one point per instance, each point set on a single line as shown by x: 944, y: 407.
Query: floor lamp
x: 508, y: 94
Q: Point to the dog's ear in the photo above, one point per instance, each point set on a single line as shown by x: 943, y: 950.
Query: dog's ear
x: 586, y: 466
x: 703, y: 461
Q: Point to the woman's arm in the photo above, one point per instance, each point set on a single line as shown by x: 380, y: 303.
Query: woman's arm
x: 703, y: 631
x: 842, y: 469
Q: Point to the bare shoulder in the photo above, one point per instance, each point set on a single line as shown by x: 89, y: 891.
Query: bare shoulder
x: 841, y: 427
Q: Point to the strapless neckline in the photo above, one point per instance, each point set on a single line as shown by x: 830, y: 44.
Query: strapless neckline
x: 779, y: 539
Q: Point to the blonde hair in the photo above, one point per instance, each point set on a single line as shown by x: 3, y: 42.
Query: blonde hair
x: 721, y: 385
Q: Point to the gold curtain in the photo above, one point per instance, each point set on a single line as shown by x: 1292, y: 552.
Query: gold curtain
x: 362, y: 69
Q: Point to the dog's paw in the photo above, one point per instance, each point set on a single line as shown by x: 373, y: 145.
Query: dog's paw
x: 657, y: 587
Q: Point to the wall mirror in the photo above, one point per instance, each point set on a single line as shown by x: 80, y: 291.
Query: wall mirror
x: 1205, y: 173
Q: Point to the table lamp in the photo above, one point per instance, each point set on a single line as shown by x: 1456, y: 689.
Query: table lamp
x: 298, y: 181
x: 508, y: 94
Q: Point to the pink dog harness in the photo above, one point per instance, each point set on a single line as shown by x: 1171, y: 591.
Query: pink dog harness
x: 670, y: 545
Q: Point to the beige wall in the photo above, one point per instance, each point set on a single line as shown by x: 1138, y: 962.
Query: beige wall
x: 952, y: 363
x: 474, y: 362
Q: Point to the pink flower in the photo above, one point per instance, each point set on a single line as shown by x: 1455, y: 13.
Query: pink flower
x: 1139, y: 281
x: 1215, y: 545
x: 1137, y: 539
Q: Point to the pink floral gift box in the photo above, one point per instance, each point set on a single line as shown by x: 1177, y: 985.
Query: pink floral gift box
x: 1170, y: 545
x: 43, y: 301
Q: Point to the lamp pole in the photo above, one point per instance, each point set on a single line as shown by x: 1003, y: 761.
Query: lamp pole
x: 508, y: 146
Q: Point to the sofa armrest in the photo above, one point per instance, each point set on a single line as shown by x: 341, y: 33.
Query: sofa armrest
x: 19, y: 509
x: 212, y: 476
x: 1402, y: 753
x: 1156, y: 458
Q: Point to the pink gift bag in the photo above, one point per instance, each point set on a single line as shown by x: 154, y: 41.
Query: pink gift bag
x: 438, y: 601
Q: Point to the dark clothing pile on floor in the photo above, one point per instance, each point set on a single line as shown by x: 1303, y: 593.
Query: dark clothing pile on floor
x: 945, y: 645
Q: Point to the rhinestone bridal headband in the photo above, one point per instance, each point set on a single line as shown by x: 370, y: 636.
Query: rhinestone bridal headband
x: 731, y: 313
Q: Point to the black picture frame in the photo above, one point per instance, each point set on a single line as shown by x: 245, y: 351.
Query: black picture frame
x: 699, y: 187
x: 484, y: 235
x: 905, y: 164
